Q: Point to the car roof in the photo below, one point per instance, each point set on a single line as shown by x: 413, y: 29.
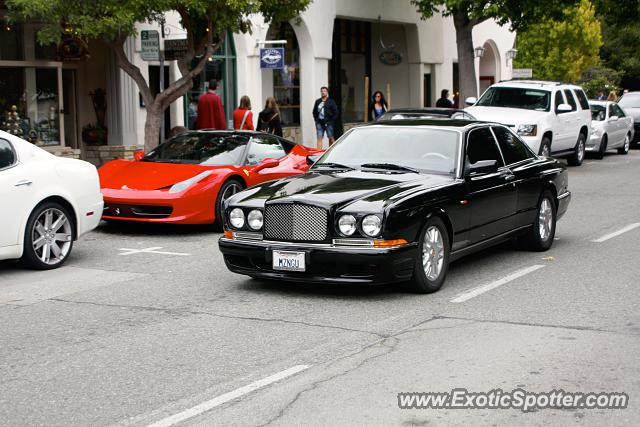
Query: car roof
x: 426, y: 110
x: 595, y: 102
x: 444, y: 123
x: 534, y: 83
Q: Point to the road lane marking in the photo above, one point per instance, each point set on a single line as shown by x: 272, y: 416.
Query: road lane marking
x: 617, y: 233
x: 224, y: 398
x: 153, y: 250
x: 465, y: 296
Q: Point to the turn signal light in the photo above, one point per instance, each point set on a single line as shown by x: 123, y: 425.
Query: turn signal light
x: 228, y: 234
x: 388, y: 243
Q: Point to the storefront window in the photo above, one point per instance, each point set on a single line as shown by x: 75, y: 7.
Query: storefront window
x: 10, y: 42
x: 29, y: 103
x: 286, y: 81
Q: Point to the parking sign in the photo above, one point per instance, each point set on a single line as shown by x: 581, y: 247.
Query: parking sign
x: 150, y: 43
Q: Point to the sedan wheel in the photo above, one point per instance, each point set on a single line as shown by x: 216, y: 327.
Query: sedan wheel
x: 625, y: 147
x: 433, y: 261
x: 48, y: 237
x: 542, y: 232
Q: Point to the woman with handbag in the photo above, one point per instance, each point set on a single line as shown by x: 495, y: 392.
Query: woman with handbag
x: 269, y: 118
x: 242, y: 116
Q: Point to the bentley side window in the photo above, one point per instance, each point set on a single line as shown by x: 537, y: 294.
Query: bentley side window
x: 262, y: 147
x: 482, y: 146
x: 512, y: 148
x: 7, y: 155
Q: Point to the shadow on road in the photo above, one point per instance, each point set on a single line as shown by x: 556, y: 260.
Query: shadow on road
x: 145, y: 228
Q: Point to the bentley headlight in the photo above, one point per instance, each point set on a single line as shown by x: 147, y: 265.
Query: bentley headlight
x: 236, y: 218
x: 371, y: 225
x: 347, y: 224
x: 183, y: 185
x: 527, y: 130
x: 255, y: 219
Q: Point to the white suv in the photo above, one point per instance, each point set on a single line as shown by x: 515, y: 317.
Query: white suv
x: 552, y: 118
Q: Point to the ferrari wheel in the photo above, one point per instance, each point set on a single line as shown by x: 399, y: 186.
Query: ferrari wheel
x: 227, y: 190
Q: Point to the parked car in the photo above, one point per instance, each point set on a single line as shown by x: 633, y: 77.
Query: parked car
x: 630, y: 104
x: 552, y: 118
x: 396, y: 201
x: 46, y: 203
x: 426, y: 113
x: 610, y: 128
x: 185, y: 179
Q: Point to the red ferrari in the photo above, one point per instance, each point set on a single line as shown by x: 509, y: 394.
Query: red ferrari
x: 185, y: 179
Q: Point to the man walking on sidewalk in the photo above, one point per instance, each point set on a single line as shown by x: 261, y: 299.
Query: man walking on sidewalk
x: 325, y: 114
x: 210, y: 110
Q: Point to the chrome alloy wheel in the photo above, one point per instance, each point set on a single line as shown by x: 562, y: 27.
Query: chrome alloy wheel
x: 231, y: 189
x: 627, y: 144
x: 545, y: 219
x: 432, y: 253
x: 545, y: 151
x: 51, y: 236
x: 581, y: 151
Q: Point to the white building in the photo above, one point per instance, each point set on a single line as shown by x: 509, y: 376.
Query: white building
x: 335, y: 43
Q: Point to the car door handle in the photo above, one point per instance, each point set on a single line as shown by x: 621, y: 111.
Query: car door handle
x: 23, y: 182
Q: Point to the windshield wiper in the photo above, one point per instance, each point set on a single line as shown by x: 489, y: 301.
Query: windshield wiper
x: 390, y: 166
x: 333, y: 166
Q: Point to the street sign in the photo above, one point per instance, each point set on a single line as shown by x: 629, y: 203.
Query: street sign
x: 175, y: 49
x: 272, y: 57
x: 150, y: 43
x: 521, y: 73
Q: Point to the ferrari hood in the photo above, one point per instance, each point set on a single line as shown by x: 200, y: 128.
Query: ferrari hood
x: 123, y: 174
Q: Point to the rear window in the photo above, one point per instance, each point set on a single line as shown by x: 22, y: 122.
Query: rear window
x: 582, y: 98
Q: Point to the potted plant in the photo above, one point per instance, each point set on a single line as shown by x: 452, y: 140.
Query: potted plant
x: 93, y: 134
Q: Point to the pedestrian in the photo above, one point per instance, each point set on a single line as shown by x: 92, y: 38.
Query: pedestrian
x: 242, y: 116
x: 269, y: 118
x: 378, y: 106
x: 601, y: 96
x: 613, y: 96
x: 325, y: 114
x: 444, y: 101
x: 210, y: 110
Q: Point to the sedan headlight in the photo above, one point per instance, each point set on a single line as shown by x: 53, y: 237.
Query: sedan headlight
x: 347, y: 225
x: 183, y: 185
x: 236, y: 218
x: 255, y: 219
x: 528, y: 130
x: 371, y: 225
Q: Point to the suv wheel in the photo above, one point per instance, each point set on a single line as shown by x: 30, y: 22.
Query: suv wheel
x: 545, y: 147
x: 578, y: 156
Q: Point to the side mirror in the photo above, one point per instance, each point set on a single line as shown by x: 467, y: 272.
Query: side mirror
x: 471, y: 100
x: 613, y: 118
x: 138, y: 155
x: 312, y: 158
x: 483, y: 166
x: 563, y: 108
x: 266, y: 164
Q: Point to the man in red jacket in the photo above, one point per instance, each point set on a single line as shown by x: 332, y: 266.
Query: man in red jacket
x: 210, y: 109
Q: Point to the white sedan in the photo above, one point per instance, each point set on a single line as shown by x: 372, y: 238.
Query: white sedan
x: 610, y: 128
x: 46, y: 202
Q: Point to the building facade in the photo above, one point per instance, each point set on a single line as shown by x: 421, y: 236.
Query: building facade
x: 354, y: 47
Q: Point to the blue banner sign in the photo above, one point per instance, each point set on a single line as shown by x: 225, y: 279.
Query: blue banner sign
x: 272, y: 57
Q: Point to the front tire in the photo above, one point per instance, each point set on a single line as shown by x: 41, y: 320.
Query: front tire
x: 48, y: 237
x: 603, y: 148
x: 578, y: 156
x: 625, y: 147
x: 432, y: 264
x: 227, y: 190
x: 540, y: 236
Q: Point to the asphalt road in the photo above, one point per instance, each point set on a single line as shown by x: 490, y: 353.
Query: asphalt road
x: 122, y: 336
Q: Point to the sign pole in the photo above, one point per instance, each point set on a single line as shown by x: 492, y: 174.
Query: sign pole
x: 161, y: 80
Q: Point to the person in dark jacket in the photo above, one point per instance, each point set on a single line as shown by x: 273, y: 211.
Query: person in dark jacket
x: 269, y: 118
x: 444, y: 101
x: 325, y: 114
x: 378, y: 106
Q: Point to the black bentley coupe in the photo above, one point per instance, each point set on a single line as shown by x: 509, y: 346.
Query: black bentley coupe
x: 397, y: 201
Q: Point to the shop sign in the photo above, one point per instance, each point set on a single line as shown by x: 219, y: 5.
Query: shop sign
x: 175, y: 49
x: 522, y: 73
x: 72, y: 49
x: 390, y: 57
x: 272, y: 57
x: 150, y: 44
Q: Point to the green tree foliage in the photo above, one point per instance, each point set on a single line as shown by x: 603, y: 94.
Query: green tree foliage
x: 620, y: 35
x: 600, y: 79
x: 466, y: 14
x: 561, y: 49
x: 113, y: 21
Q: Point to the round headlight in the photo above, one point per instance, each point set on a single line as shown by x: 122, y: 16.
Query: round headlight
x: 347, y: 225
x: 255, y: 219
x: 236, y: 218
x: 371, y: 225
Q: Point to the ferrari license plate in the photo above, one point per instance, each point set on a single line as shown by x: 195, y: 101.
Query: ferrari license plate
x: 291, y: 261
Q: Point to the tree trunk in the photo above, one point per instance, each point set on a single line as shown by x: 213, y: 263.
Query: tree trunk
x: 466, y: 60
x: 152, y: 126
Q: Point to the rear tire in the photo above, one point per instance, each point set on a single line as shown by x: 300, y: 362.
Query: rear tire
x: 48, y: 237
x: 540, y: 236
x: 432, y: 262
x: 602, y: 149
x: 578, y: 156
x: 227, y: 190
x: 625, y: 147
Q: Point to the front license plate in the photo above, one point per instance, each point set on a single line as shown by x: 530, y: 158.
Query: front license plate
x: 291, y: 261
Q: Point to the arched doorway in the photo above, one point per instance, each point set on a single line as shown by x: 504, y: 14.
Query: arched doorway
x: 489, y: 70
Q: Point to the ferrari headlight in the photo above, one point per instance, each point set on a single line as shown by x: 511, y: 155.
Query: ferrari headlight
x: 183, y: 185
x: 347, y: 224
x: 236, y: 218
x: 371, y: 225
x: 528, y: 130
x: 255, y: 219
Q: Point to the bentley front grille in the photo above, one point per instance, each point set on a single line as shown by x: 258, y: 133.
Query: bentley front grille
x: 293, y: 222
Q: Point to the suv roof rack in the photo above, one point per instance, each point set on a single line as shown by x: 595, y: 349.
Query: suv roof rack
x: 533, y: 82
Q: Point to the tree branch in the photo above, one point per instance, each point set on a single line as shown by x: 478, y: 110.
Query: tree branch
x: 134, y: 72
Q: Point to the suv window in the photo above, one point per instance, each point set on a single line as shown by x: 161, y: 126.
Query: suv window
x: 482, y: 146
x: 262, y: 147
x: 512, y: 148
x: 516, y: 97
x: 618, y: 111
x: 584, y: 102
x: 7, y: 155
x: 559, y: 100
x: 570, y: 100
